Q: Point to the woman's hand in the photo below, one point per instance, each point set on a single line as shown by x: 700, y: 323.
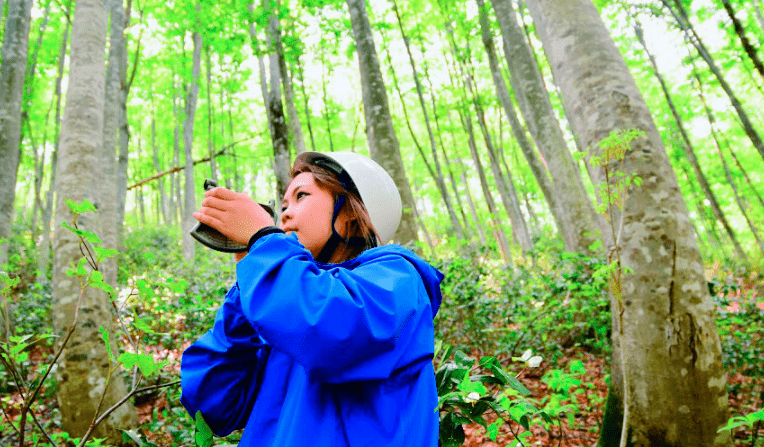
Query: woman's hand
x: 235, y: 215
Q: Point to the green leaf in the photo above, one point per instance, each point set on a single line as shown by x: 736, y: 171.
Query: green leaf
x: 105, y: 336
x: 96, y: 280
x: 80, y: 208
x: 493, y: 429
x: 143, y: 325
x: 145, y: 363
x: 103, y: 253
x: 203, y: 433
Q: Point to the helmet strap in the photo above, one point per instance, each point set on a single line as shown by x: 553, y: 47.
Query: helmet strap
x: 334, y: 240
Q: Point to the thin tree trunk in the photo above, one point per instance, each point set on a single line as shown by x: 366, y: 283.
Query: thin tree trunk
x: 506, y: 192
x: 740, y: 31
x: 162, y: 196
x: 689, y: 151
x: 537, y: 167
x: 175, y: 195
x: 680, y: 15
x: 210, y: 136
x: 383, y: 145
x: 12, y: 70
x: 123, y: 126
x: 325, y: 99
x: 498, y: 231
x: 727, y: 173
x: 580, y: 226
x: 306, y: 99
x: 84, y: 375
x: 667, y: 353
x: 295, y: 129
x: 757, y: 7
x: 441, y: 185
x: 192, y: 94
x: 108, y: 184
x: 44, y: 259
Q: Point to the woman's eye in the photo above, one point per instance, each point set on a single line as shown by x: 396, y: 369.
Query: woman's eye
x: 301, y: 194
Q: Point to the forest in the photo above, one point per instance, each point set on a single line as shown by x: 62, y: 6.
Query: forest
x: 587, y: 174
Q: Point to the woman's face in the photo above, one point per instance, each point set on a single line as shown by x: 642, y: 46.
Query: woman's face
x: 307, y: 211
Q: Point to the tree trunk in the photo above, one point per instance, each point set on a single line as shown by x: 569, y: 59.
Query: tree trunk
x: 122, y: 124
x: 162, y: 196
x: 757, y: 8
x: 210, y: 136
x: 44, y: 259
x: 295, y: 129
x: 740, y: 31
x: 175, y: 202
x: 680, y: 14
x: 506, y: 192
x: 12, y: 70
x: 537, y: 167
x: 689, y: 151
x: 189, y: 191
x: 325, y: 99
x: 83, y: 372
x: 727, y: 173
x: 498, y: 231
x: 674, y: 381
x: 107, y: 187
x: 306, y: 99
x: 580, y: 222
x: 383, y: 145
x: 275, y: 108
x: 438, y: 177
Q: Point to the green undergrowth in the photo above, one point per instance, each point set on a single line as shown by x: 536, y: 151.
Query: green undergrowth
x: 495, y: 321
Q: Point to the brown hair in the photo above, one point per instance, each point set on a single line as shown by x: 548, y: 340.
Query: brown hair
x: 358, y: 223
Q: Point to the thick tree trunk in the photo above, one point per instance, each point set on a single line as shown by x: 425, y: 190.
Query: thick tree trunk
x: 383, y: 145
x: 12, y: 70
x: 83, y: 372
x: 579, y: 230
x: 680, y: 14
x: 189, y: 191
x: 674, y: 383
x: 689, y: 152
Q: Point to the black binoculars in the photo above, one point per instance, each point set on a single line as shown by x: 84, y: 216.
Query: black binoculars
x: 215, y: 240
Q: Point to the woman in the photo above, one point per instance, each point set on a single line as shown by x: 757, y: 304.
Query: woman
x: 326, y: 339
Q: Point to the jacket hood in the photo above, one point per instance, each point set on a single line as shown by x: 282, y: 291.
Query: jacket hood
x: 431, y: 276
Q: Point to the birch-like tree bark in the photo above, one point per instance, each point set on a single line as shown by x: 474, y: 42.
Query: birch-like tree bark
x: 12, y: 70
x: 295, y: 128
x: 383, y: 145
x: 189, y: 192
x: 579, y: 230
x: 83, y: 374
x: 673, y: 386
x: 164, y: 206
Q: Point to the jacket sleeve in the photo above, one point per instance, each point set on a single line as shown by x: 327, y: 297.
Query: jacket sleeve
x: 226, y: 361
x: 341, y: 324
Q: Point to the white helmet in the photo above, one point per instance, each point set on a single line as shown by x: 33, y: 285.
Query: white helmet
x: 377, y: 189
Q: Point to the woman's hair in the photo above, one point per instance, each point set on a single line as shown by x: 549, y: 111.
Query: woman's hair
x: 358, y: 223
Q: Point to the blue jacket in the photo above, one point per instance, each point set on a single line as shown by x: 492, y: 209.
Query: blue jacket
x: 310, y: 354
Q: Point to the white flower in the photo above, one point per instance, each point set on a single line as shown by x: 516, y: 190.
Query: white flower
x: 526, y: 355
x: 534, y: 361
x: 472, y: 397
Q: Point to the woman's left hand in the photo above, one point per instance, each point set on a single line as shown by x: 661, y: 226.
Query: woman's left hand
x: 235, y: 215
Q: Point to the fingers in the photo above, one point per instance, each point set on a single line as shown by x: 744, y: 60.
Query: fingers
x: 222, y: 193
